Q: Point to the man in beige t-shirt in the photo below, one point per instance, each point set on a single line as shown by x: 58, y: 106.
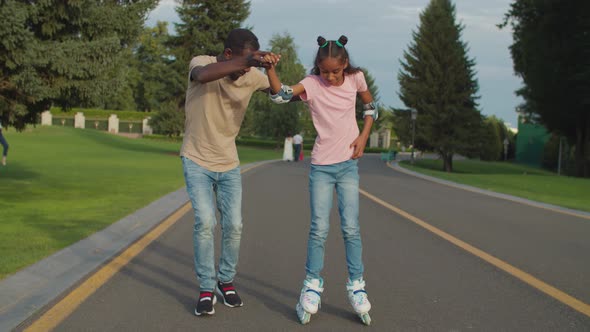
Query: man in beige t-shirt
x: 219, y: 89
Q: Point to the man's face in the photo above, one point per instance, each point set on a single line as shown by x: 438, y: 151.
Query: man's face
x: 245, y: 52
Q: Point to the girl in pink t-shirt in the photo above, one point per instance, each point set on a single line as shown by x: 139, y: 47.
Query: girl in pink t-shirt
x: 330, y: 92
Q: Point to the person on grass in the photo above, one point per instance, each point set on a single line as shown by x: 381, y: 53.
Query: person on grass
x: 4, y: 146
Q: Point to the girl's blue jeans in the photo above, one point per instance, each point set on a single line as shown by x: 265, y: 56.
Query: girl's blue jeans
x: 323, y: 179
x: 208, y: 190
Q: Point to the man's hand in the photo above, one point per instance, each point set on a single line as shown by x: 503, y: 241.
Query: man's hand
x: 263, y: 59
x: 359, y: 146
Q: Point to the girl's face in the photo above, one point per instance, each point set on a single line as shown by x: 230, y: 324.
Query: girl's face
x: 332, y: 70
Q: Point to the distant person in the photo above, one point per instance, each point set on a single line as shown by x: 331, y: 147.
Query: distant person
x: 330, y: 93
x: 4, y: 146
x: 297, y: 143
x: 288, y: 149
x: 218, y: 93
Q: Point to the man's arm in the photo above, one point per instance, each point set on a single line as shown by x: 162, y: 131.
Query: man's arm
x: 217, y: 70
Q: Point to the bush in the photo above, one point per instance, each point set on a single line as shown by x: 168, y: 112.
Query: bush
x: 169, y: 121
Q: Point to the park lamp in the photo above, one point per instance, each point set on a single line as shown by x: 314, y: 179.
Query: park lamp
x: 414, y: 114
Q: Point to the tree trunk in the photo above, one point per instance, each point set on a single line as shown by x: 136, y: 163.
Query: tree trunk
x: 447, y: 161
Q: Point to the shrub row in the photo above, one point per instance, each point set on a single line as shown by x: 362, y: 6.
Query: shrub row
x: 100, y: 114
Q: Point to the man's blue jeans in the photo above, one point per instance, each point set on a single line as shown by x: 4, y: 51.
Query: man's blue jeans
x: 322, y: 181
x: 206, y: 189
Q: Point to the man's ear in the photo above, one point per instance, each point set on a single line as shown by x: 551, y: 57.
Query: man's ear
x: 227, y: 53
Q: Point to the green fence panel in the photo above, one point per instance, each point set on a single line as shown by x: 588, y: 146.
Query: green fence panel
x: 97, y: 124
x: 131, y: 127
x: 530, y: 143
x: 62, y: 121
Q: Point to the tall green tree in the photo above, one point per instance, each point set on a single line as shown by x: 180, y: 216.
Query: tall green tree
x: 551, y: 53
x: 491, y: 140
x: 157, y: 81
x: 204, y: 25
x: 437, y: 79
x: 278, y: 121
x: 62, y: 52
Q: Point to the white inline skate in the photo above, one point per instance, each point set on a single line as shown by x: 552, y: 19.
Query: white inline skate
x: 359, y: 300
x: 310, y: 299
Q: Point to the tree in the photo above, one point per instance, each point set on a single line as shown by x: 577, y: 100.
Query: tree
x: 491, y: 140
x: 205, y: 25
x: 551, y: 53
x: 278, y: 121
x: 157, y: 82
x: 437, y: 79
x: 62, y: 52
x: 169, y: 120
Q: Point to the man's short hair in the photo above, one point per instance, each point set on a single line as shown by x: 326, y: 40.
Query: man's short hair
x: 240, y: 39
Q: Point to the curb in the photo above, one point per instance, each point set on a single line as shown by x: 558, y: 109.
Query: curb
x: 546, y: 206
x: 32, y: 288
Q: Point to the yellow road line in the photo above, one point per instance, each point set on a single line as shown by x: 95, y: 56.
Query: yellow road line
x: 525, y: 277
x: 60, y: 311
x: 50, y: 319
x: 477, y: 191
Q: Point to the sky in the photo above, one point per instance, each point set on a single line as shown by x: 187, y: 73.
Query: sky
x: 379, y: 31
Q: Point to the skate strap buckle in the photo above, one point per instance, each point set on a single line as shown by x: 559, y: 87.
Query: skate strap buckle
x: 313, y: 291
x: 359, y: 291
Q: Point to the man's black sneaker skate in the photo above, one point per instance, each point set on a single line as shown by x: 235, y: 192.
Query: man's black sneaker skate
x: 205, y: 304
x: 229, y: 295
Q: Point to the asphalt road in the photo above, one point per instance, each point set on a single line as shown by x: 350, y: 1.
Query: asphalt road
x: 416, y: 280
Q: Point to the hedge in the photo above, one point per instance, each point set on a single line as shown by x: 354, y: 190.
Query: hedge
x: 99, y: 114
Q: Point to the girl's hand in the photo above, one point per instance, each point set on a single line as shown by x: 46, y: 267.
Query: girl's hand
x: 263, y: 59
x: 271, y: 59
x: 359, y: 146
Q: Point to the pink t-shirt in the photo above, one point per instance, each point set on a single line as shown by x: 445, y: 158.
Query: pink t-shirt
x: 333, y: 112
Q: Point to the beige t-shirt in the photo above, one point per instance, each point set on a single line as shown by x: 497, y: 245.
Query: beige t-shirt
x: 214, y: 114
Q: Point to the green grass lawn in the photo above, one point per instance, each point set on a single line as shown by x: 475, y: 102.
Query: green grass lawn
x: 63, y: 184
x: 513, y: 179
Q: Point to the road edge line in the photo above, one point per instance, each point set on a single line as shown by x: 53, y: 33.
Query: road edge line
x: 525, y: 277
x: 71, y: 301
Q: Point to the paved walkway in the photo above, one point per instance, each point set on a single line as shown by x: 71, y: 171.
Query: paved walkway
x: 436, y: 257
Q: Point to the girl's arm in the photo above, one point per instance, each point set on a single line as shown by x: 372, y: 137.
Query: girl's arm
x: 276, y: 85
x: 360, y: 142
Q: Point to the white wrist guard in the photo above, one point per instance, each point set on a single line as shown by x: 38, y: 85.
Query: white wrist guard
x: 370, y: 110
x: 283, y: 96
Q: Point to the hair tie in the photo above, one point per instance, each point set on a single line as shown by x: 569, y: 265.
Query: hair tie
x: 325, y: 44
x: 339, y: 43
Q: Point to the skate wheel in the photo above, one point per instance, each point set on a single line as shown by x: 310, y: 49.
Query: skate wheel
x: 366, y: 319
x: 304, y: 316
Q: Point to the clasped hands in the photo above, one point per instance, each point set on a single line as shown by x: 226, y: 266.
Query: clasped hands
x: 263, y: 59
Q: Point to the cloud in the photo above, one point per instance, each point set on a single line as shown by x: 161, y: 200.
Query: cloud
x: 407, y: 13
x: 167, y: 3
